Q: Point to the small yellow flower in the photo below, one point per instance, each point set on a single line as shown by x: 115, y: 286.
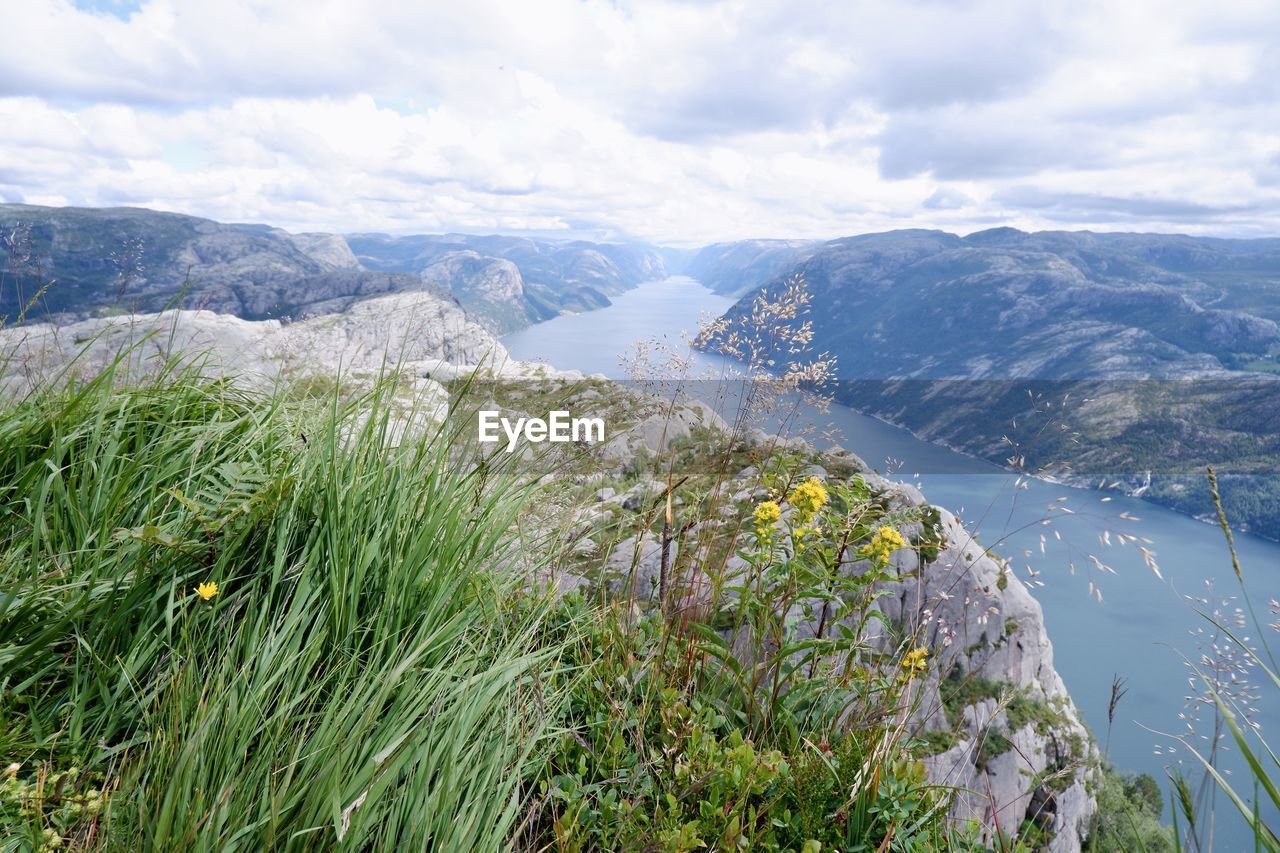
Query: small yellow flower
x: 915, y: 662
x: 764, y: 517
x: 883, y: 543
x: 799, y: 534
x: 808, y: 497
x: 207, y: 590
x: 767, y: 512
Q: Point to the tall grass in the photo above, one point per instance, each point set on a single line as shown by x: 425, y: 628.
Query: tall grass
x: 366, y: 676
x: 1256, y: 793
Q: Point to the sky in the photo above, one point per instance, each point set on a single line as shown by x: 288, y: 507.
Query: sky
x: 680, y: 123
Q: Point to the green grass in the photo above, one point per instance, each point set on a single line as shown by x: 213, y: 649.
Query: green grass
x: 374, y: 672
x: 368, y: 671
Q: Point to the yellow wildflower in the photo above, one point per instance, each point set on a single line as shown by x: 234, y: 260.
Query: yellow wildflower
x: 883, y: 543
x: 207, y: 590
x: 808, y: 497
x: 915, y: 662
x: 764, y: 517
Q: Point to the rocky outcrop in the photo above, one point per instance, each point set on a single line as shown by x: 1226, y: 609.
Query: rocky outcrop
x: 1019, y: 750
x: 396, y: 329
x: 328, y: 249
x: 1002, y: 729
x: 515, y: 281
x: 491, y: 289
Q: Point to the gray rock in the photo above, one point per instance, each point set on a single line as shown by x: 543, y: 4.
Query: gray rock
x: 402, y: 328
x: 634, y: 566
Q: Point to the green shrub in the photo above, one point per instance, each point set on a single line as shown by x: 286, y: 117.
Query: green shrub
x: 1128, y: 816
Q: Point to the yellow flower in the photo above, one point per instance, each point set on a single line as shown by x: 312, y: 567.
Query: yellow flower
x: 915, y: 662
x: 883, y: 543
x: 207, y: 590
x: 808, y: 497
x: 766, y: 513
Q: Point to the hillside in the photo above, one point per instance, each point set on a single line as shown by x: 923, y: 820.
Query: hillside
x: 350, y: 520
x: 514, y: 281
x: 1146, y: 356
x: 738, y: 267
x: 119, y: 260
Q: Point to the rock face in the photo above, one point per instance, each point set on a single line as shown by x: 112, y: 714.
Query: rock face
x: 491, y: 289
x: 328, y: 249
x: 1003, y: 729
x: 515, y: 281
x: 400, y: 328
x: 1021, y: 752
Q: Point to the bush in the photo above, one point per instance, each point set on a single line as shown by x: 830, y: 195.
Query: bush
x: 1128, y: 816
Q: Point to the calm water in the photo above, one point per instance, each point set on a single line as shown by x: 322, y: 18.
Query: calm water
x: 1137, y: 629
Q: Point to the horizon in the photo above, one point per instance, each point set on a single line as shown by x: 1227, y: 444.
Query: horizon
x: 670, y: 123
x: 562, y: 237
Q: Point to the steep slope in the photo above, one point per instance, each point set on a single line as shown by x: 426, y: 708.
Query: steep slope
x: 511, y: 282
x: 1129, y: 357
x: 738, y: 267
x: 98, y: 261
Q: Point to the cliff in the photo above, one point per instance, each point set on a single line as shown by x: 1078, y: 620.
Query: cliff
x: 992, y: 711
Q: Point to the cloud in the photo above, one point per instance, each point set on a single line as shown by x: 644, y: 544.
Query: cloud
x: 672, y: 121
x: 1086, y: 207
x: 945, y: 198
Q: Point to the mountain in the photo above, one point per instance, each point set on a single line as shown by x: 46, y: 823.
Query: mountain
x: 99, y: 261
x: 735, y: 268
x: 112, y: 260
x: 1137, y: 358
x: 510, y: 282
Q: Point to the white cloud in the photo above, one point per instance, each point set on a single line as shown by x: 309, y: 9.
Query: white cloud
x: 672, y: 121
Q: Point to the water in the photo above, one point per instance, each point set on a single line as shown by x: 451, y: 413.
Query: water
x: 1138, y: 628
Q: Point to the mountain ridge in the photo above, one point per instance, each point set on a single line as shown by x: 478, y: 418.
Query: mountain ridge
x: 1131, y: 354
x: 108, y: 260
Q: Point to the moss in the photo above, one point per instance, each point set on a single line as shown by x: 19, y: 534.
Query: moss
x: 937, y: 742
x: 993, y: 745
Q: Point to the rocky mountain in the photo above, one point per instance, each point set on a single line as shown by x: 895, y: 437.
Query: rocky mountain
x: 99, y: 261
x: 510, y: 282
x: 425, y: 326
x: 738, y: 267
x: 993, y: 710
x: 1130, y: 357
